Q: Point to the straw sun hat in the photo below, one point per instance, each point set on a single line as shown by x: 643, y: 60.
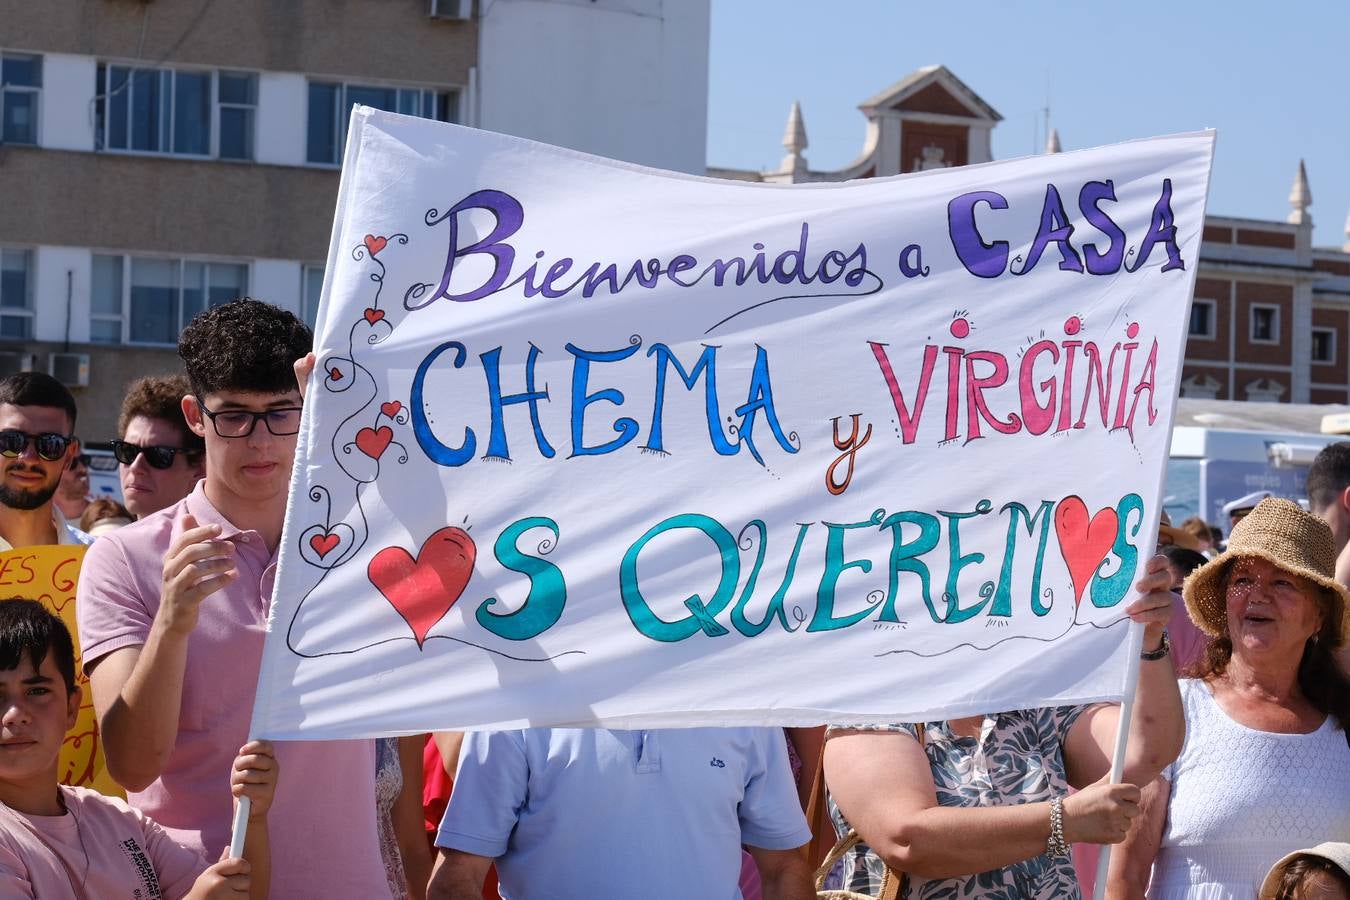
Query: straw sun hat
x: 1332, y: 852
x: 1283, y: 534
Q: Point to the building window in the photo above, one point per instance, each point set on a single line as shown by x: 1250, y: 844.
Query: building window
x: 330, y: 107
x: 20, y: 87
x: 1265, y: 324
x: 1203, y: 313
x: 180, y: 112
x: 1324, y: 345
x: 311, y: 286
x: 147, y: 300
x: 16, y: 294
x: 237, y: 96
x: 105, y: 300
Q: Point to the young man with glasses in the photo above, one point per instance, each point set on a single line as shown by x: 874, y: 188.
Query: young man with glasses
x: 172, y: 611
x: 37, y: 444
x: 161, y: 458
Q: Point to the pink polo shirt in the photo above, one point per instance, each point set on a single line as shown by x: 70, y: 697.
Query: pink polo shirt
x: 322, y: 823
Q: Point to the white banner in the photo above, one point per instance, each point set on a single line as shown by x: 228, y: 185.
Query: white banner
x: 592, y: 444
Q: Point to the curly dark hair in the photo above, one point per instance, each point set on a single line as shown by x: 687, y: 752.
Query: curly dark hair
x: 1320, y: 676
x: 243, y: 345
x: 159, y: 397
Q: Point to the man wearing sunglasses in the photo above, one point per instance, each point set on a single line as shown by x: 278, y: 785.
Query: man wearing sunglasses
x: 172, y: 611
x: 72, y: 496
x: 37, y: 444
x: 161, y: 458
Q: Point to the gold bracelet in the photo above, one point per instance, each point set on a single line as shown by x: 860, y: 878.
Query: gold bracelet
x: 1056, y: 846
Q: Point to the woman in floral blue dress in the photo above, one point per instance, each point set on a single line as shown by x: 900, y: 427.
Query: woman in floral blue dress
x: 968, y: 808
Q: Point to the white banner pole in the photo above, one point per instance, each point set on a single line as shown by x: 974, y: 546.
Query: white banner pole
x: 1136, y: 644
x: 239, y: 830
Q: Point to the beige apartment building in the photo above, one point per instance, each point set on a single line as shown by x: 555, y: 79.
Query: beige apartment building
x: 162, y: 156
x: 158, y: 156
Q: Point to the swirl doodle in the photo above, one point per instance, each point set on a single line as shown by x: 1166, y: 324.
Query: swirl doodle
x: 359, y: 446
x: 416, y: 292
x: 370, y: 248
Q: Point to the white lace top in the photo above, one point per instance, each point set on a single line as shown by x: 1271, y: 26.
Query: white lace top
x: 1243, y: 798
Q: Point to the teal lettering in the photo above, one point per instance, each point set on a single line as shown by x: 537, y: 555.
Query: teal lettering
x: 548, y: 591
x: 904, y: 558
x: 958, y: 562
x: 776, y: 608
x: 702, y: 616
x: 835, y: 565
x: 1003, y: 595
x: 1107, y: 591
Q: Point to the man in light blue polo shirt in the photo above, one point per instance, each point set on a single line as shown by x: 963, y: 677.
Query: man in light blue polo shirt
x: 590, y: 813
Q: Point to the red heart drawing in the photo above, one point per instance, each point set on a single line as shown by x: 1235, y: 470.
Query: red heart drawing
x: 423, y: 590
x: 375, y: 244
x: 1084, y: 543
x: 335, y: 374
x: 373, y: 315
x: 391, y: 408
x: 373, y: 441
x: 323, y: 544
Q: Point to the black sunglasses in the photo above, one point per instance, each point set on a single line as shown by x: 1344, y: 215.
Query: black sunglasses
x: 49, y: 445
x: 158, y: 457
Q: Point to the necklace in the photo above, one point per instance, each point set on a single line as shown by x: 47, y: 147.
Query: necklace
x: 77, y: 892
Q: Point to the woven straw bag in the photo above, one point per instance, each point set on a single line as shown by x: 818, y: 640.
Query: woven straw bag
x: 890, y: 882
x: 817, y: 818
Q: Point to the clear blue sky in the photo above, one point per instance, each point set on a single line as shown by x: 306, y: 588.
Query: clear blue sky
x: 1273, y: 78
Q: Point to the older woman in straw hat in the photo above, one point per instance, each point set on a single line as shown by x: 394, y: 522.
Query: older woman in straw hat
x: 1318, y: 873
x: 1266, y: 764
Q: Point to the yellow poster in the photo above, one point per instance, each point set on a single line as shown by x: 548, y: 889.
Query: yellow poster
x: 48, y: 575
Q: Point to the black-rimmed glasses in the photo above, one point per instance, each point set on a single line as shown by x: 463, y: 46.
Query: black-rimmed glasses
x: 159, y: 457
x: 49, y: 445
x: 238, y: 423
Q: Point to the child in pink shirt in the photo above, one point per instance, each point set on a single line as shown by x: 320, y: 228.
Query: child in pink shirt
x: 70, y: 842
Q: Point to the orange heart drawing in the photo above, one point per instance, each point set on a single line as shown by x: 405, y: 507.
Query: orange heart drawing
x: 1083, y: 542
x: 323, y: 544
x: 422, y: 590
x: 373, y: 441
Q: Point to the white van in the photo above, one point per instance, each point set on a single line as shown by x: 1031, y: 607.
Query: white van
x: 103, y: 478
x: 1223, y: 450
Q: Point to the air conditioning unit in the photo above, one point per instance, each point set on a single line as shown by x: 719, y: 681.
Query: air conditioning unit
x: 451, y: 9
x: 14, y: 361
x: 71, y: 369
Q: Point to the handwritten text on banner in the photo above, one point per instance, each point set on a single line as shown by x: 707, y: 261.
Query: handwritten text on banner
x: 594, y: 444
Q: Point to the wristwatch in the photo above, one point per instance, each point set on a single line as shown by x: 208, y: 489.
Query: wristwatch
x: 1163, y: 649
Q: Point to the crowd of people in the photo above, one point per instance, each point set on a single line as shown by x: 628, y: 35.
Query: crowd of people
x: 1236, y: 780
